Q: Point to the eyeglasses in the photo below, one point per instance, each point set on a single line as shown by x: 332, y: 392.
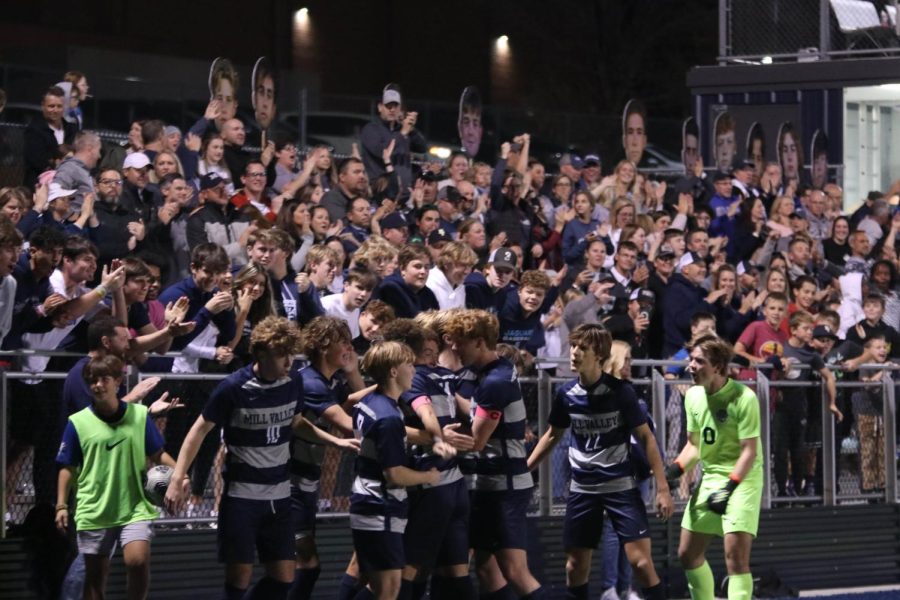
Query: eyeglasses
x: 111, y: 181
x: 255, y: 175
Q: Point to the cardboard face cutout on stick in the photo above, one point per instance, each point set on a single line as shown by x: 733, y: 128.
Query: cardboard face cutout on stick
x: 223, y: 86
x: 756, y: 150
x: 469, y: 122
x: 724, y: 141
x: 818, y: 170
x: 263, y: 96
x: 634, y: 130
x: 690, y: 144
x: 790, y: 153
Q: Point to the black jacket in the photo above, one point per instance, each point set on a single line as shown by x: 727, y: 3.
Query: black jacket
x: 41, y: 147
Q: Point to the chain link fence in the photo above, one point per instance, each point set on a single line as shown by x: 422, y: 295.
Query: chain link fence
x: 804, y: 30
x: 851, y: 462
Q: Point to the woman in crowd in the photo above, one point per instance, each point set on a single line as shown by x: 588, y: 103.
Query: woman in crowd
x: 623, y: 183
x: 581, y: 230
x: 294, y: 219
x: 835, y: 248
x: 212, y: 160
x: 780, y: 219
x: 252, y: 293
x: 622, y: 214
x: 163, y: 164
x: 747, y: 235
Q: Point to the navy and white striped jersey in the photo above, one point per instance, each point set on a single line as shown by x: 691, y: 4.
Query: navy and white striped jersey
x: 256, y: 417
x: 501, y: 465
x: 319, y: 394
x: 602, y: 417
x: 430, y: 385
x: 374, y: 504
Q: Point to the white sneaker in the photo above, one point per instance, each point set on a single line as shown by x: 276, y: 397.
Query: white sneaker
x: 609, y: 594
x: 632, y: 595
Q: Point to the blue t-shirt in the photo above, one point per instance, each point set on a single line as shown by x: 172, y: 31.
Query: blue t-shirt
x: 602, y: 417
x: 69, y: 454
x: 256, y: 417
x: 319, y: 394
x: 374, y: 504
x: 502, y: 464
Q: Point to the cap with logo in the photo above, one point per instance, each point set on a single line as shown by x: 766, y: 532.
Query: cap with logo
x: 746, y: 267
x: 824, y: 331
x: 390, y: 95
x: 642, y: 295
x: 210, y: 180
x: 438, y: 236
x: 393, y: 221
x: 666, y: 251
x: 591, y: 160
x: 503, y: 257
x: 721, y: 176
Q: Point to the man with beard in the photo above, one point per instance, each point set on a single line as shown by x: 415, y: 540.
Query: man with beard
x: 723, y: 428
x: 352, y: 182
x: 392, y: 125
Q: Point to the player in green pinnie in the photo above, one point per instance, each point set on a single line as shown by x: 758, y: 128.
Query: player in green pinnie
x: 723, y: 434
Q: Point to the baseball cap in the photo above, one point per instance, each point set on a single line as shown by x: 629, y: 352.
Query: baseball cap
x: 136, y: 160
x: 427, y: 175
x: 744, y: 165
x: 503, y: 257
x: 591, y: 159
x: 439, y: 235
x: 571, y: 159
x: 58, y: 191
x: 665, y: 251
x: 824, y: 331
x: 390, y: 95
x: 170, y: 129
x: 744, y: 267
x: 450, y: 194
x: 721, y: 176
x: 689, y: 258
x: 393, y: 221
x: 642, y: 295
x: 210, y: 180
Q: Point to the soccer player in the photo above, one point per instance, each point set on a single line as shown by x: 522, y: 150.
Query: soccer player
x: 104, y: 450
x: 603, y: 412
x: 257, y: 407
x: 502, y: 488
x: 723, y: 434
x: 437, y: 533
x: 327, y: 344
x: 378, y: 505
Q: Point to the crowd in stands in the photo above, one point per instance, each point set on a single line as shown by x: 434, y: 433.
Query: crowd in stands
x: 190, y: 239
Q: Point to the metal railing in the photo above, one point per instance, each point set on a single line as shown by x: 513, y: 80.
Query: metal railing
x: 664, y: 402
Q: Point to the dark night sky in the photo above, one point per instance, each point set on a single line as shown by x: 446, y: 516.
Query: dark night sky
x: 572, y: 56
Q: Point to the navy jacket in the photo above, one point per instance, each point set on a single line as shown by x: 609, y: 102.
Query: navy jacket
x: 683, y: 301
x: 480, y: 295
x: 197, y: 312
x: 406, y: 302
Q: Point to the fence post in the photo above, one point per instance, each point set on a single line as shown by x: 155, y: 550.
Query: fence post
x: 765, y: 416
x: 829, y: 454
x: 301, y: 117
x: 824, y: 29
x: 890, y: 439
x: 658, y: 406
x: 545, y: 470
x: 3, y: 443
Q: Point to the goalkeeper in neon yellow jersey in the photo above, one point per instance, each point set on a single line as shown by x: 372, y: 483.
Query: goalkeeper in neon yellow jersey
x: 723, y: 434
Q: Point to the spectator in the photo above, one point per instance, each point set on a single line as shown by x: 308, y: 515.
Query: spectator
x: 581, y: 230
x: 236, y: 158
x: 427, y: 222
x: 868, y: 405
x: 359, y: 220
x: 446, y: 279
x: 120, y: 229
x: 488, y: 290
x: 632, y: 325
x: 836, y: 248
x: 814, y: 211
x: 253, y: 302
x: 373, y: 317
x: 748, y: 233
x: 684, y: 298
x: 321, y: 263
x: 137, y: 193
x: 884, y: 281
x: 762, y: 340
x: 876, y: 223
x: 45, y: 134
x: 212, y: 160
x: 406, y: 291
x: 724, y: 205
x: 352, y: 182
x: 448, y: 203
x: 10, y: 246
x: 174, y: 217
x: 859, y: 260
x: 346, y: 306
x: 873, y: 325
x: 394, y: 126
x: 74, y: 173
x: 520, y: 316
x: 216, y: 222
x: 253, y: 191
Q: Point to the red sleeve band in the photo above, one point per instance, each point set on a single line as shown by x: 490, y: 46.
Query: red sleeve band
x: 421, y: 400
x: 493, y: 415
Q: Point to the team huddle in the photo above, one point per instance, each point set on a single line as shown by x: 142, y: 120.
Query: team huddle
x: 442, y: 473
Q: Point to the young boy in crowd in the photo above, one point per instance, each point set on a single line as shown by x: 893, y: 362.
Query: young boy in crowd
x: 358, y: 286
x: 764, y: 339
x: 799, y: 415
x: 372, y: 318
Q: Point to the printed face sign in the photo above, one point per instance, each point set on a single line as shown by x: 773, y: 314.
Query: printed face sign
x: 469, y: 123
